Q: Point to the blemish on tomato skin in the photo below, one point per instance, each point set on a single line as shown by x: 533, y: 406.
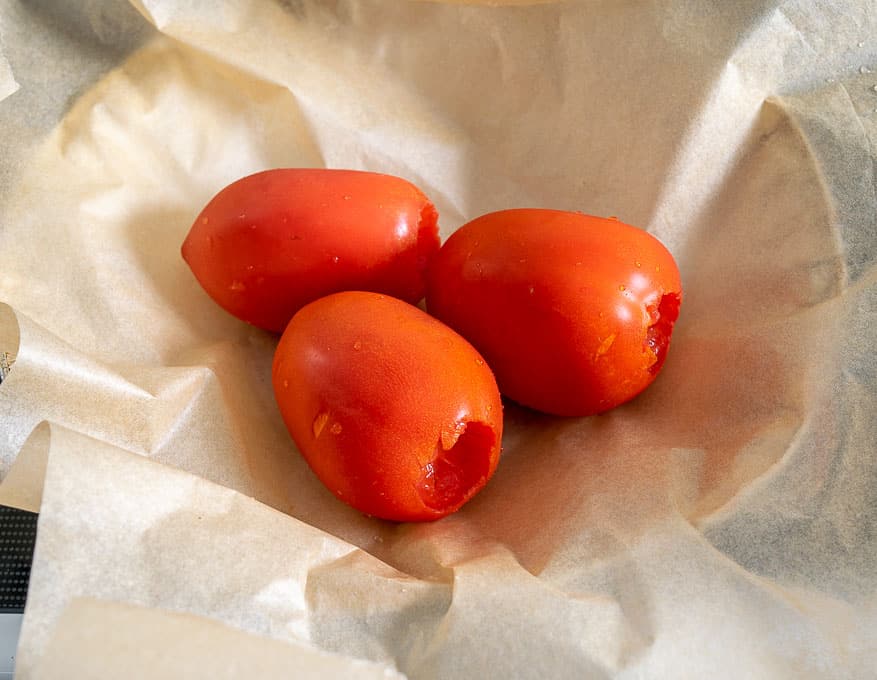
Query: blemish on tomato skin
x: 319, y: 423
x: 335, y: 428
x: 605, y: 345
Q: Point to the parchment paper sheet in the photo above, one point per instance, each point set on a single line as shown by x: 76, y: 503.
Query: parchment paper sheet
x: 723, y: 524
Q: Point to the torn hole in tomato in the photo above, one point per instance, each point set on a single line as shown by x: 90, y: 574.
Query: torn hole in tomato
x: 663, y: 315
x: 460, y: 467
x: 427, y: 234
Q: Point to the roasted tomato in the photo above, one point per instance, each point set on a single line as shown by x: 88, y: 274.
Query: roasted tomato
x: 397, y: 415
x: 270, y: 243
x: 572, y: 312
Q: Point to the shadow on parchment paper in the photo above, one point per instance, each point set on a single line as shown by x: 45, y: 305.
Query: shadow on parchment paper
x: 732, y: 394
x: 729, y: 400
x: 156, y: 238
x: 595, y: 484
x: 573, y: 126
x: 224, y: 101
x: 763, y: 252
x: 239, y: 356
x: 765, y: 248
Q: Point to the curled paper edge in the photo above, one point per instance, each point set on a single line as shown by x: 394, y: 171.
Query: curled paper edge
x: 22, y: 487
x: 8, y: 84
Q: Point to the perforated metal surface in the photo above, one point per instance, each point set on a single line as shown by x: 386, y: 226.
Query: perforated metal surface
x: 18, y: 532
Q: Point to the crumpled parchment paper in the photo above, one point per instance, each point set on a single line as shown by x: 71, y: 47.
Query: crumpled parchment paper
x: 723, y: 524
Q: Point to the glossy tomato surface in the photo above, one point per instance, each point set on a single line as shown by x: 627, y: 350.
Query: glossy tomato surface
x: 270, y: 243
x: 573, y: 313
x: 397, y: 415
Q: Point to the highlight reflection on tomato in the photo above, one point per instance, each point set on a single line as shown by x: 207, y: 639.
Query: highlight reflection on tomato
x: 271, y: 242
x: 573, y: 313
x: 397, y: 415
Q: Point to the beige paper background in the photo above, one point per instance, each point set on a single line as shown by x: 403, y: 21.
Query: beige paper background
x: 721, y: 525
x: 148, y: 643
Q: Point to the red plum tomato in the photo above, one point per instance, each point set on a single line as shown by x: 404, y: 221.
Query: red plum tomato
x: 573, y: 313
x: 397, y: 415
x: 271, y: 242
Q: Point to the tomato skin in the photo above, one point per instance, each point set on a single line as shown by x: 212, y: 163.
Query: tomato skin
x: 397, y: 415
x: 271, y: 242
x: 573, y: 313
